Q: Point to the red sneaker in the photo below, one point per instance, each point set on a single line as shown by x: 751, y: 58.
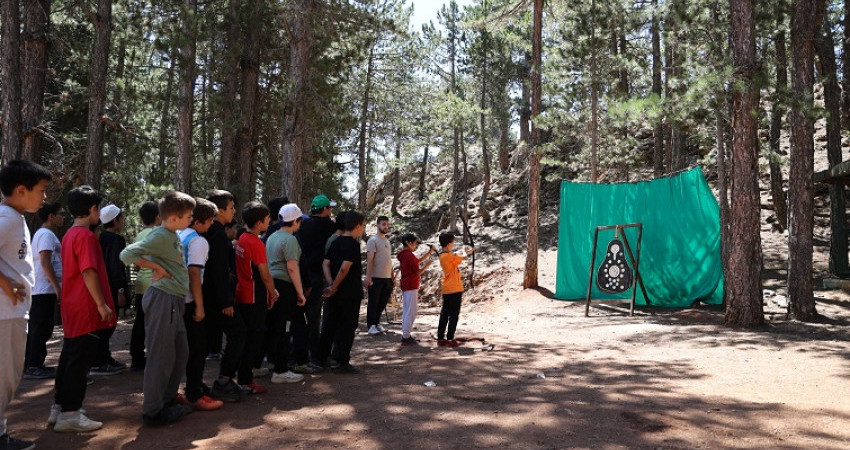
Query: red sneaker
x: 452, y: 343
x: 254, y: 388
x: 206, y: 403
x: 442, y: 342
x: 180, y: 399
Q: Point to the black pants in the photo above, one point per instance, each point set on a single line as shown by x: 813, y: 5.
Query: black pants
x: 342, y: 315
x: 281, y: 317
x: 214, y: 324
x: 267, y: 351
x: 379, y: 295
x: 254, y: 317
x: 74, y: 363
x: 306, y: 330
x: 103, y: 355
x: 449, y: 314
x: 196, y: 336
x: 40, y: 329
x: 234, y: 329
x: 137, y: 335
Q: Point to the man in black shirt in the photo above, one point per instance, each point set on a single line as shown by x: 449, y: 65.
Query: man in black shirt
x: 312, y: 236
x: 342, y: 270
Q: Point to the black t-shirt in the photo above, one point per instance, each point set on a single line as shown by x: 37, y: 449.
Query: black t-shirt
x: 346, y: 248
x: 312, y: 236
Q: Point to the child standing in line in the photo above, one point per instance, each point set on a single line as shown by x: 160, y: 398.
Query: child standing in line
x: 23, y: 185
x: 88, y: 312
x: 111, y: 243
x: 149, y: 213
x: 195, y: 252
x: 164, y: 303
x: 452, y: 291
x: 411, y: 272
x: 255, y: 291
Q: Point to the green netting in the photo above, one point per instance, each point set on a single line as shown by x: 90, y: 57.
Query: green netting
x: 680, y: 251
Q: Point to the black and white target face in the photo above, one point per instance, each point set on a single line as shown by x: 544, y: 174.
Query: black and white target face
x: 614, y: 274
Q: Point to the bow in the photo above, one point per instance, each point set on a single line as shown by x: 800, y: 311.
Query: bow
x: 467, y: 236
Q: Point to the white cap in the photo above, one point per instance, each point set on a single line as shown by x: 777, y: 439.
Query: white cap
x: 289, y: 212
x: 108, y: 213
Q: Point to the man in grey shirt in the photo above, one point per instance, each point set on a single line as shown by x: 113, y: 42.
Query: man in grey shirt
x: 379, y: 275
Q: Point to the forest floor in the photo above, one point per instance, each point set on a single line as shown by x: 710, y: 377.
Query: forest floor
x: 552, y: 379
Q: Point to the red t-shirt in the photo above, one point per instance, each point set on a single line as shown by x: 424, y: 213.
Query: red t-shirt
x: 250, y: 252
x: 409, y: 266
x: 81, y: 251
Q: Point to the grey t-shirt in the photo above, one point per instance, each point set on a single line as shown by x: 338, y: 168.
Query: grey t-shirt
x: 382, y: 266
x: 281, y: 247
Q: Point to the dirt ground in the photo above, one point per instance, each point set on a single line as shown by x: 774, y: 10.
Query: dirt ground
x: 552, y: 379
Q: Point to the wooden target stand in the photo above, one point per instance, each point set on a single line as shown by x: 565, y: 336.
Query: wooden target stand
x: 633, y: 259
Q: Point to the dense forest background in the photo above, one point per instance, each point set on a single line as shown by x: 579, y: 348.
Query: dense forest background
x: 297, y: 97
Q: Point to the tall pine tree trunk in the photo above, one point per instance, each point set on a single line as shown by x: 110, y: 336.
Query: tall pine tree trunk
x: 530, y: 276
x: 102, y: 22
x: 525, y: 100
x: 36, y: 44
x: 250, y: 76
x: 485, y: 151
x: 805, y: 22
x: 744, y: 301
x: 10, y: 63
x: 363, y: 184
x: 825, y: 47
x: 186, y: 97
x: 776, y: 113
x: 845, y: 67
x: 160, y: 175
x: 230, y: 109
x: 422, y: 174
x: 594, y: 99
x: 396, y: 174
x: 297, y: 128
x: 658, y: 135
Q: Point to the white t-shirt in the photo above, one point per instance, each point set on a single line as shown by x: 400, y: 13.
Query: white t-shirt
x: 15, y: 262
x: 44, y: 239
x: 197, y: 250
x: 382, y: 265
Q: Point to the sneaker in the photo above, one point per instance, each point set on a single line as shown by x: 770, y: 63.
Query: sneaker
x: 10, y: 443
x: 309, y: 368
x: 168, y: 414
x: 114, y: 363
x: 213, y: 356
x: 441, y: 342
x: 180, y: 399
x: 409, y: 341
x: 347, y: 369
x: 78, y: 422
x: 54, y: 414
x: 227, y: 391
x: 261, y: 372
x: 107, y: 370
x: 287, y: 377
x: 373, y: 330
x: 453, y: 343
x: 39, y: 373
x: 381, y: 328
x: 331, y: 363
x: 205, y: 403
x: 254, y: 388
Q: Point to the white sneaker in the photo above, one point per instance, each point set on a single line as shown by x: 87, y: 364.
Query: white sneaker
x: 55, y: 410
x: 261, y: 372
x: 373, y: 330
x: 381, y: 328
x: 287, y: 377
x: 78, y: 422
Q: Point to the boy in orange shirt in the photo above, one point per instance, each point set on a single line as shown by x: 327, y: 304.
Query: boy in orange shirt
x: 452, y: 290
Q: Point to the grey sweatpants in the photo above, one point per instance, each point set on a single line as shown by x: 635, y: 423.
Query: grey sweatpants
x: 13, y: 345
x: 168, y: 349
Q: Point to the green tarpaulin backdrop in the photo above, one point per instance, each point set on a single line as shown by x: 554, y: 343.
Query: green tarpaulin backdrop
x: 680, y: 250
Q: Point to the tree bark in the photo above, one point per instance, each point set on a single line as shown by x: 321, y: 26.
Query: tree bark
x: 396, y: 175
x: 530, y: 276
x: 525, y: 100
x: 36, y: 43
x: 250, y: 75
x: 594, y: 99
x: 297, y: 128
x: 845, y: 67
x: 186, y: 97
x: 422, y: 174
x: 230, y: 91
x: 504, y: 139
x: 102, y: 22
x: 658, y: 135
x: 363, y: 184
x: 10, y: 44
x: 485, y: 151
x: 776, y: 113
x: 825, y: 47
x: 805, y: 21
x: 165, y: 123
x: 744, y: 302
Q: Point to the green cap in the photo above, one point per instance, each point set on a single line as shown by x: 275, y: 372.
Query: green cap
x: 321, y: 201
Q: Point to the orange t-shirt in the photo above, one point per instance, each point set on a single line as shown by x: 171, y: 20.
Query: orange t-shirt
x: 451, y: 273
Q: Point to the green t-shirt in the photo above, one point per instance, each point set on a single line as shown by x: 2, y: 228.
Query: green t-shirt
x: 163, y: 247
x: 281, y: 247
x: 144, y: 276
